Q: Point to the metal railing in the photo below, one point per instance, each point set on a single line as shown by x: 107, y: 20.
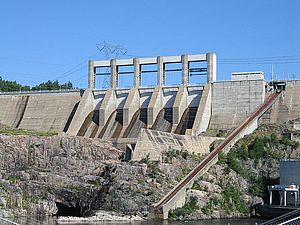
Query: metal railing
x: 290, y: 218
x: 39, y: 91
x: 4, y: 221
x: 182, y: 184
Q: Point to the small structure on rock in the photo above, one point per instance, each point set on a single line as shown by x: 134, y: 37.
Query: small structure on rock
x: 288, y: 188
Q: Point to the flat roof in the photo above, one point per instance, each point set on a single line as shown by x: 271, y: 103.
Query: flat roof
x: 245, y: 73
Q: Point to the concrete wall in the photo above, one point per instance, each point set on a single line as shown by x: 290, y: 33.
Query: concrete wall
x: 154, y: 143
x: 288, y: 106
x: 289, y: 172
x: 233, y: 101
x: 38, y: 111
x: 49, y: 112
x: 12, y: 109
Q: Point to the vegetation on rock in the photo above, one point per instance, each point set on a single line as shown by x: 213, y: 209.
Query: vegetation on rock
x: 239, y: 180
x: 17, y: 131
x: 188, y: 208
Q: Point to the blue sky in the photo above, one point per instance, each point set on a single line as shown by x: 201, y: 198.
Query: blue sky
x: 49, y: 40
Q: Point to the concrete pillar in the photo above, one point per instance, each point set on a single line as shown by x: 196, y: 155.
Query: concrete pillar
x: 295, y: 194
x: 160, y: 71
x: 114, y: 74
x: 281, y: 198
x: 91, y: 72
x: 137, y: 73
x: 271, y: 197
x: 211, y: 67
x: 284, y: 198
x: 185, y: 70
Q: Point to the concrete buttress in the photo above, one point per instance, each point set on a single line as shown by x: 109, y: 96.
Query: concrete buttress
x: 109, y: 104
x: 86, y: 106
x: 132, y: 105
x: 203, y: 114
x: 179, y: 106
x: 155, y: 105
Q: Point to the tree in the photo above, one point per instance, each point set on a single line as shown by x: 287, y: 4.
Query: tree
x: 53, y: 85
x: 8, y: 86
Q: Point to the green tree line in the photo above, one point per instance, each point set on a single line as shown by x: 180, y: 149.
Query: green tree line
x: 8, y: 86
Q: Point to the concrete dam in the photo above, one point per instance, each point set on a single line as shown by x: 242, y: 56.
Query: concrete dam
x: 121, y: 113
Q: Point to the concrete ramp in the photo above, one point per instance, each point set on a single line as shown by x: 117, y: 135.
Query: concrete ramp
x: 176, y: 197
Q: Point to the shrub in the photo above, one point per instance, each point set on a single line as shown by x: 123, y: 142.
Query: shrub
x: 187, y: 209
x: 232, y: 200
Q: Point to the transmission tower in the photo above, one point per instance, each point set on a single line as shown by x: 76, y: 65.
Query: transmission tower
x: 111, y: 52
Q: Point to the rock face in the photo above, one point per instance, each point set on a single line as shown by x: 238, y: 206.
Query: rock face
x: 75, y: 176
x: 52, y: 175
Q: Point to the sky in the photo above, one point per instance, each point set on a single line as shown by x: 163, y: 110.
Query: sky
x: 54, y: 39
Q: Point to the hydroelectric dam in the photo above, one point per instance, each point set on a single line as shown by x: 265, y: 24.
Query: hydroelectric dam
x: 147, y: 120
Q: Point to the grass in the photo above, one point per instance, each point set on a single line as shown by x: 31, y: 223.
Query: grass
x: 17, y: 131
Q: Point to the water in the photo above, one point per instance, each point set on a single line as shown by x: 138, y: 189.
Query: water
x: 51, y: 221
x: 199, y: 222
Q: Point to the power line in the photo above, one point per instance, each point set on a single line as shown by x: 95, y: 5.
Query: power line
x: 265, y: 57
x: 255, y: 63
x: 75, y: 69
x: 286, y: 59
x: 34, y: 62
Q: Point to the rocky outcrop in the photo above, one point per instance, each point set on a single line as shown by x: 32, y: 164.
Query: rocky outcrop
x: 75, y: 176
x: 53, y: 175
x: 233, y: 186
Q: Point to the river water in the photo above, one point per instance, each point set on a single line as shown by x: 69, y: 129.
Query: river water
x: 51, y: 221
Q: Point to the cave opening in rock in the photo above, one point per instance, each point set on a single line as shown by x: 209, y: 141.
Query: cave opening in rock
x: 66, y: 210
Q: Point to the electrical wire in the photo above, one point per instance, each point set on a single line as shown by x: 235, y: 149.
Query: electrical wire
x: 286, y: 59
x: 34, y: 62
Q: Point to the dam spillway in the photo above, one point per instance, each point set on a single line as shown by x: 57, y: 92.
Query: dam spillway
x: 123, y: 112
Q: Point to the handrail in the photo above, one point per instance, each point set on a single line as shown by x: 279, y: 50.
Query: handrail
x: 8, y: 221
x: 257, y: 113
x: 39, y: 91
x: 281, y: 219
